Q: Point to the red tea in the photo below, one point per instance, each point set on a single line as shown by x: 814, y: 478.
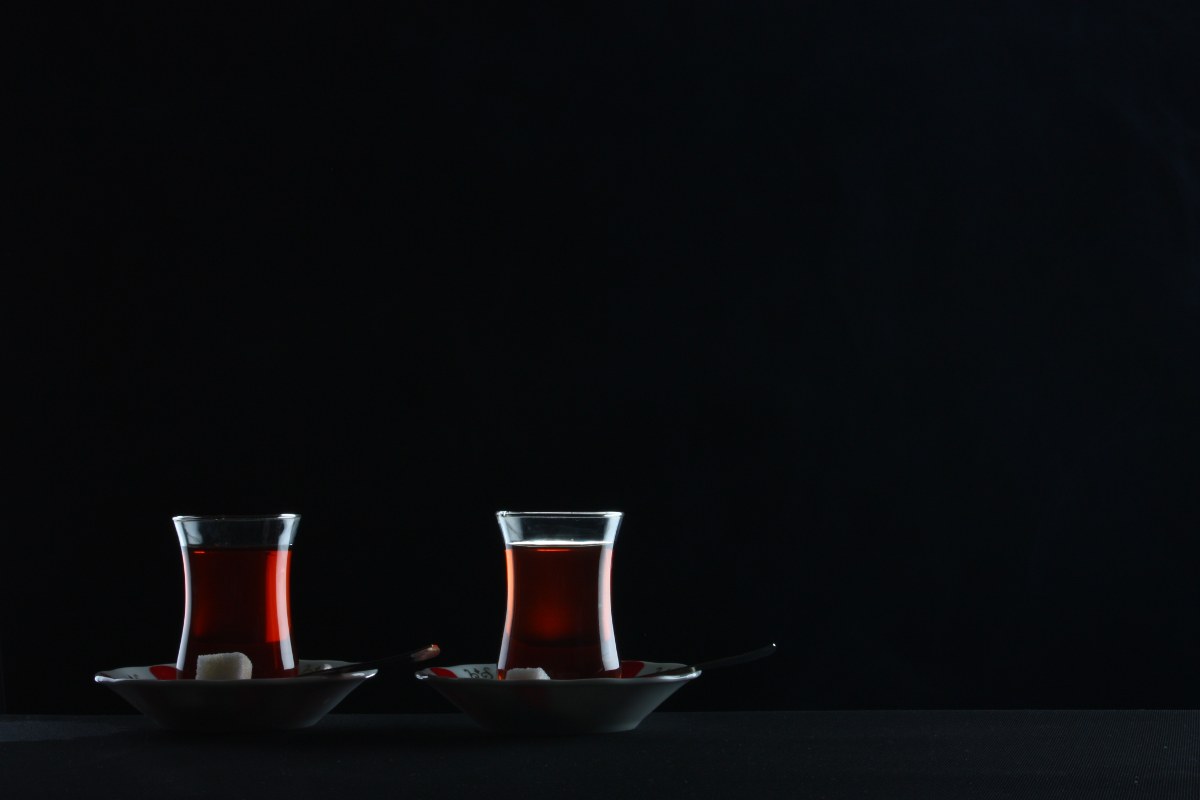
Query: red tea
x: 237, y: 601
x: 560, y: 610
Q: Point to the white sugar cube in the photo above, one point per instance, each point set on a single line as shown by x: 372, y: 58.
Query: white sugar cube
x: 223, y: 667
x: 526, y: 674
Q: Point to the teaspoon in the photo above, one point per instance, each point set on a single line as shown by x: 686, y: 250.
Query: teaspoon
x: 423, y: 654
x: 717, y: 663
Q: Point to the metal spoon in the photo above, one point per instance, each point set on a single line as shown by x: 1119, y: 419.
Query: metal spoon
x: 423, y: 654
x: 716, y: 663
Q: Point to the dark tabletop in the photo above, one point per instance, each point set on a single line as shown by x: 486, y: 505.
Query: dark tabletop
x: 876, y: 754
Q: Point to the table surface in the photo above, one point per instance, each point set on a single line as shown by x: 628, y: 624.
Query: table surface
x: 847, y: 754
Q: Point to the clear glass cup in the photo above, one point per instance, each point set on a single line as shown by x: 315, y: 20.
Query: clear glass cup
x: 559, y: 593
x: 236, y: 582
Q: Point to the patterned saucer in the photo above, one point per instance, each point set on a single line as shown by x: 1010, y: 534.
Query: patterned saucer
x: 554, y: 707
x: 256, y: 704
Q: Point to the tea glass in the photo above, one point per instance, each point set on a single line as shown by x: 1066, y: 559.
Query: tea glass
x: 559, y: 615
x: 236, y: 578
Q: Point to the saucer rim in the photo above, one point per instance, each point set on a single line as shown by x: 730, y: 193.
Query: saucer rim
x: 641, y: 680
x: 104, y: 676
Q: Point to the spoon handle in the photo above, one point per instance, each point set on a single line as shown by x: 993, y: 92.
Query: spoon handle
x: 717, y: 663
x: 744, y: 658
x: 422, y: 654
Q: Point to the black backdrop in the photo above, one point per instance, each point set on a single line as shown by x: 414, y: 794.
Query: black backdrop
x: 878, y: 323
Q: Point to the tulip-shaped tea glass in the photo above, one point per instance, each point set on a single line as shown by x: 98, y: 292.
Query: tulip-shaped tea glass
x: 236, y: 577
x: 559, y: 596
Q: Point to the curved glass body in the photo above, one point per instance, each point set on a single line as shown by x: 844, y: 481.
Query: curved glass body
x: 559, y: 593
x: 236, y: 579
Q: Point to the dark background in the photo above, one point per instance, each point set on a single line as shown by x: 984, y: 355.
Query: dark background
x: 879, y: 323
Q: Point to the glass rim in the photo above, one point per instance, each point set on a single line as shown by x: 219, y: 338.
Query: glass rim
x: 232, y: 517
x: 562, y: 514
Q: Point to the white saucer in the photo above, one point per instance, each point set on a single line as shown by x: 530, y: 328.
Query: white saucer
x: 550, y: 707
x: 257, y: 704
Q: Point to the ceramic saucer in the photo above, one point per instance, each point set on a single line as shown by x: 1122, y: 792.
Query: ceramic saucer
x: 256, y: 704
x: 552, y: 707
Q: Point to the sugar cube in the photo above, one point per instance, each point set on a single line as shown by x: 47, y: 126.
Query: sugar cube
x: 223, y: 667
